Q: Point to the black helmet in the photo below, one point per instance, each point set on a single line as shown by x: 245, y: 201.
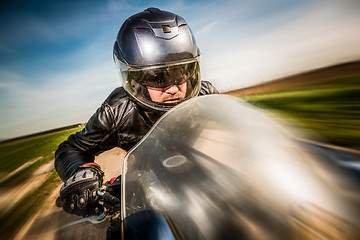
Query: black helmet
x: 156, y: 50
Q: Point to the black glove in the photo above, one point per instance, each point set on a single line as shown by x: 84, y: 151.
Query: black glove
x: 78, y: 194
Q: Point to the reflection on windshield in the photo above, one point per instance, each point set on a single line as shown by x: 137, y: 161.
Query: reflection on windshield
x: 216, y: 168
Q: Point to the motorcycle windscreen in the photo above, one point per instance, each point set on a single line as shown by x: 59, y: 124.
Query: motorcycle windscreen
x: 216, y: 168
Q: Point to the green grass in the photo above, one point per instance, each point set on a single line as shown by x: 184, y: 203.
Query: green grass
x: 329, y: 108
x: 25, y: 173
x: 29, y: 205
x: 14, y: 154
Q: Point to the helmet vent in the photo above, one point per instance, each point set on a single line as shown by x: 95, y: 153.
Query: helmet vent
x: 153, y: 10
x: 166, y: 28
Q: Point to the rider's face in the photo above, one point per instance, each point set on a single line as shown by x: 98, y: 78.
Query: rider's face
x: 170, y: 94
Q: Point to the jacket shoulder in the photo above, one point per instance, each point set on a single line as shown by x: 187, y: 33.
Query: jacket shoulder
x: 117, y: 96
x: 207, y: 88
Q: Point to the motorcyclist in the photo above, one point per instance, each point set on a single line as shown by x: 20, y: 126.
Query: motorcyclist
x: 158, y: 61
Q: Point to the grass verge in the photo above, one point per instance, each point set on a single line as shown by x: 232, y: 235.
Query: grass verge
x: 15, y: 153
x: 25, y: 173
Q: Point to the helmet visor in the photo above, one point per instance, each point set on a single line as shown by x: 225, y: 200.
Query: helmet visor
x: 141, y: 82
x: 164, y: 76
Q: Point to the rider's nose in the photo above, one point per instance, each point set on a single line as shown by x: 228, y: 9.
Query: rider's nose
x: 172, y: 89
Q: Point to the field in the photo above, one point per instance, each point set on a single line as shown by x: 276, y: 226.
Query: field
x: 31, y: 152
x: 15, y: 153
x: 324, y: 103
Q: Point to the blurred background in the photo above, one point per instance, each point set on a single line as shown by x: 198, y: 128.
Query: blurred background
x: 56, y: 62
x: 299, y: 59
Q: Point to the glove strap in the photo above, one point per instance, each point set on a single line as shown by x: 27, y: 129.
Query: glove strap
x: 91, y: 164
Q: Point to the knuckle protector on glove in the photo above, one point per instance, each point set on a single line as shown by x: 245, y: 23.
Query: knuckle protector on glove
x: 82, y: 179
x: 77, y: 191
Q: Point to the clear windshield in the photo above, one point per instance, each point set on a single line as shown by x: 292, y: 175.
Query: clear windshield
x: 217, y: 168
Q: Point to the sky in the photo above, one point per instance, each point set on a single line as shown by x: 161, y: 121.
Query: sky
x: 56, y: 65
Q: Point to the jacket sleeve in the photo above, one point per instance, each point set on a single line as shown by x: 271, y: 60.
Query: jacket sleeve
x: 98, y: 135
x: 207, y: 88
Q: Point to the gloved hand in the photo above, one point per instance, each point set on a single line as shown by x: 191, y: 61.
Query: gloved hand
x: 78, y: 194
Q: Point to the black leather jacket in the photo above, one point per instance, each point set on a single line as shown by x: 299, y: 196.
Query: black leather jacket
x: 119, y: 122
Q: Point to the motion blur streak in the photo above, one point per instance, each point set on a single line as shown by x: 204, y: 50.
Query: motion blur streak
x: 236, y: 174
x: 312, y: 222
